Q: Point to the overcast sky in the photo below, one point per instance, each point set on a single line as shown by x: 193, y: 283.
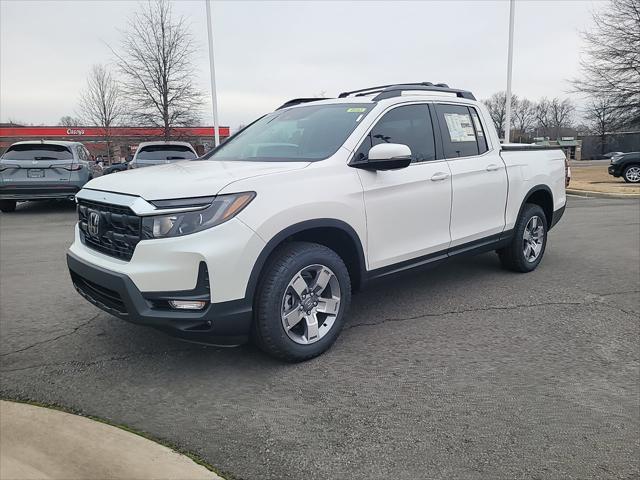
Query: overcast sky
x: 267, y: 52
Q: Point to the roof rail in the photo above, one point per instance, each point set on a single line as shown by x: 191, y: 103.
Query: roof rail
x: 395, y: 90
x: 297, y: 101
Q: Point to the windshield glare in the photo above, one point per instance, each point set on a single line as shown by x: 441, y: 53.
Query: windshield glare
x: 37, y: 152
x: 165, y: 152
x: 308, y: 133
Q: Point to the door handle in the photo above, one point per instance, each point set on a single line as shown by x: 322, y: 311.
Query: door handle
x: 492, y: 167
x: 439, y: 176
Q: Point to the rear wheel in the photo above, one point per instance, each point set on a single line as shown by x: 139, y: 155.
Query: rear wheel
x: 529, y: 241
x: 632, y: 174
x: 7, y: 206
x: 302, y: 301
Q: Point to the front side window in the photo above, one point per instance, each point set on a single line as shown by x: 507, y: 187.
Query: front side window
x: 308, y: 133
x: 37, y: 151
x: 408, y: 125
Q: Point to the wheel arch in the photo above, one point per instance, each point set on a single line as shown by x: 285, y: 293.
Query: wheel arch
x: 542, y: 196
x: 334, y: 234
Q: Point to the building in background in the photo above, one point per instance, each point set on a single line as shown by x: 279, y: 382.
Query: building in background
x: 594, y: 146
x: 124, y: 140
x: 570, y: 145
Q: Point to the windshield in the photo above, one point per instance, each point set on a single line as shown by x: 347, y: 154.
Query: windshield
x: 165, y: 152
x: 37, y: 152
x: 308, y: 133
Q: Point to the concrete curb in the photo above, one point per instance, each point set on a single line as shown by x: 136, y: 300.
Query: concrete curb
x: 590, y: 194
x: 44, y: 443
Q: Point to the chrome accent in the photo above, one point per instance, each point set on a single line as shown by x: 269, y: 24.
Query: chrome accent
x: 310, y: 304
x: 138, y: 205
x: 93, y: 225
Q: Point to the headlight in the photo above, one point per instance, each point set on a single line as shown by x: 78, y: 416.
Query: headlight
x: 221, y: 209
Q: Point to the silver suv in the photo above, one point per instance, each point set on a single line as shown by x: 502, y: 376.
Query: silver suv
x: 156, y: 153
x: 37, y: 170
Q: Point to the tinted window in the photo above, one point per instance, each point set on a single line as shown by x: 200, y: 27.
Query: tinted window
x: 308, y: 133
x: 480, y: 135
x: 38, y: 152
x: 409, y: 125
x: 165, y: 152
x: 458, y: 131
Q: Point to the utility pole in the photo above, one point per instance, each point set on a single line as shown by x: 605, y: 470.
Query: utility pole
x: 214, y: 96
x: 507, y: 122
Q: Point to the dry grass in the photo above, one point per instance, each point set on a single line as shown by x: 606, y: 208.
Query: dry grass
x: 595, y: 178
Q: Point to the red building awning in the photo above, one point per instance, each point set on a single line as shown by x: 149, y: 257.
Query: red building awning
x: 65, y: 132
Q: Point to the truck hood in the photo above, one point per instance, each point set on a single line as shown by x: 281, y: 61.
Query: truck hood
x: 198, y: 178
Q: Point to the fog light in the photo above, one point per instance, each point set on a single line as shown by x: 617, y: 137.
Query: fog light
x: 187, y: 304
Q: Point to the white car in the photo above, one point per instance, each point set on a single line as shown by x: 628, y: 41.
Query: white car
x: 157, y: 153
x: 267, y: 236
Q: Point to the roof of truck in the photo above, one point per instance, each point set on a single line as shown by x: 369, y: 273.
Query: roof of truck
x: 46, y: 142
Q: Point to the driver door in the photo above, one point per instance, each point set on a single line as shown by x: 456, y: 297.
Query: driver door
x: 408, y: 210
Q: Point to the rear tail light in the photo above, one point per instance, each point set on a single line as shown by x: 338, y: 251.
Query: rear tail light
x: 567, y: 173
x: 73, y: 168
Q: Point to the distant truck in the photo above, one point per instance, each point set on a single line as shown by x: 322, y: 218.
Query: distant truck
x: 45, y: 169
x: 266, y: 236
x: 156, y: 153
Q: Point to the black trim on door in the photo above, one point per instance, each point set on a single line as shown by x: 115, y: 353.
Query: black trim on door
x: 481, y: 245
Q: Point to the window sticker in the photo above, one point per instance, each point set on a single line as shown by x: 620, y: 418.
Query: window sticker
x: 460, y: 127
x: 356, y: 110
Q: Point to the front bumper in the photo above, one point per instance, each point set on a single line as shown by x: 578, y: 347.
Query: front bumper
x: 613, y: 170
x: 225, y: 323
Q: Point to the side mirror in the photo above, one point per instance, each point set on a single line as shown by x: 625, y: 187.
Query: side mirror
x: 386, y: 156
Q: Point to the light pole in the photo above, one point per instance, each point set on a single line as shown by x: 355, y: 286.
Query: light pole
x: 507, y: 121
x: 214, y: 96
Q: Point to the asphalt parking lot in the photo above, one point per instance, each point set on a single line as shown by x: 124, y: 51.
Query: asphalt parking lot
x: 462, y: 371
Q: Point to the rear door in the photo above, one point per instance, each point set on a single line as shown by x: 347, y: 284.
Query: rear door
x: 36, y: 163
x: 479, y: 176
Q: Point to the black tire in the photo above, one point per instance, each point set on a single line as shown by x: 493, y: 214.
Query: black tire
x: 7, y: 206
x: 512, y: 257
x: 627, y: 171
x: 268, y: 330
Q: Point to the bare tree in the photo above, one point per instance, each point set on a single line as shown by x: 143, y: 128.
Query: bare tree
x: 100, y: 102
x: 601, y: 117
x: 542, y: 114
x: 611, y: 67
x: 524, y: 117
x: 156, y: 60
x: 69, y: 121
x: 497, y: 106
x: 561, y: 114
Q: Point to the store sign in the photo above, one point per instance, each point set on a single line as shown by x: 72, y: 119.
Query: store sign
x: 73, y: 131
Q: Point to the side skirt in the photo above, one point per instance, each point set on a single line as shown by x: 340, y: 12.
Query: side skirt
x: 487, y: 244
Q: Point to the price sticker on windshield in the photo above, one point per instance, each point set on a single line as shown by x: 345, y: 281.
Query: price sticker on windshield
x: 356, y: 110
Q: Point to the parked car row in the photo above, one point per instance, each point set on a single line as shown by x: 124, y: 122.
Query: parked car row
x: 47, y: 169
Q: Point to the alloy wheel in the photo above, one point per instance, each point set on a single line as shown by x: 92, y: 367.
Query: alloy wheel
x: 310, y: 304
x: 632, y: 174
x: 533, y: 239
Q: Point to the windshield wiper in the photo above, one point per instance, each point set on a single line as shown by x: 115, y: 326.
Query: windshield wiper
x: 176, y: 158
x: 45, y: 158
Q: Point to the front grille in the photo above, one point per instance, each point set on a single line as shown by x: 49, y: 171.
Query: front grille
x: 98, y: 295
x: 118, y: 228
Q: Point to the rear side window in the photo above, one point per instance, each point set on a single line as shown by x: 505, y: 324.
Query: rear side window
x: 458, y: 131
x: 37, y: 152
x: 480, y: 135
x: 409, y: 125
x: 165, y: 152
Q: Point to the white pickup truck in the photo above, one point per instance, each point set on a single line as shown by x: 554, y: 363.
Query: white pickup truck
x: 267, y: 236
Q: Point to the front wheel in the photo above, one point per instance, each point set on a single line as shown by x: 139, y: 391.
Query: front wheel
x: 302, y: 301
x: 7, y: 206
x: 529, y: 241
x: 632, y: 174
